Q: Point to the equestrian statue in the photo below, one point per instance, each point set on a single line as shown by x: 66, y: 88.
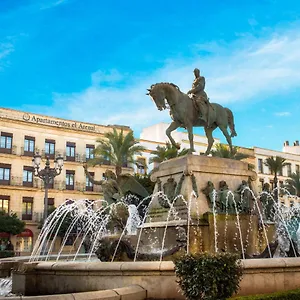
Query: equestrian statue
x: 193, y: 110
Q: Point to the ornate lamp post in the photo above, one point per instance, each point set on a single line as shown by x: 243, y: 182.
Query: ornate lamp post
x: 47, y: 175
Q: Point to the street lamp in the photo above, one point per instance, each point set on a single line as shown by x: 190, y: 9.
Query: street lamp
x: 47, y: 174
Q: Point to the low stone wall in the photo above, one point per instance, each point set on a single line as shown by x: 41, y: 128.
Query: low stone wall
x: 158, y: 278
x: 134, y: 292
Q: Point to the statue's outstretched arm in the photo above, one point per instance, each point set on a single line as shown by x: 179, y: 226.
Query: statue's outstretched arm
x: 91, y: 178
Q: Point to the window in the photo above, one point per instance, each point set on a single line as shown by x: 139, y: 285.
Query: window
x: 6, y: 142
x: 88, y: 184
x: 27, y: 176
x: 29, y: 144
x: 70, y: 175
x: 260, y: 166
x: 27, y: 204
x: 4, y: 203
x: 24, y: 241
x: 297, y: 169
x: 89, y: 151
x: 289, y: 169
x: 50, y: 148
x: 141, y: 165
x: 5, y: 174
x: 70, y: 151
x: 292, y: 203
x: 279, y: 173
x: 51, y: 206
x: 261, y: 180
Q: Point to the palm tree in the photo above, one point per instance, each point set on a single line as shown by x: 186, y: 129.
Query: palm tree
x: 293, y: 183
x: 163, y: 153
x: 117, y: 149
x: 275, y: 165
x: 223, y: 151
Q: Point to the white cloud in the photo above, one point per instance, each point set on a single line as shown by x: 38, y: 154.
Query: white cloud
x: 282, y: 114
x: 6, y: 48
x: 51, y: 4
x: 100, y: 76
x: 248, y: 69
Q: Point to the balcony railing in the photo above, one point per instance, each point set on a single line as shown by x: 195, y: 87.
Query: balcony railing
x: 57, y: 185
x: 12, y: 150
x: 29, y: 153
x: 34, y: 217
x: 79, y: 157
x: 18, y: 181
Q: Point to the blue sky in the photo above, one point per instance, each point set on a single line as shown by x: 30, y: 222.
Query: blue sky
x: 93, y: 60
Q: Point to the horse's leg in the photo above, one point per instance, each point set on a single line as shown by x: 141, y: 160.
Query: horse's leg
x: 191, y: 137
x: 173, y: 126
x: 210, y: 139
x: 227, y: 135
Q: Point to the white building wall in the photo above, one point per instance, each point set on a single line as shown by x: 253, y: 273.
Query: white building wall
x: 155, y: 135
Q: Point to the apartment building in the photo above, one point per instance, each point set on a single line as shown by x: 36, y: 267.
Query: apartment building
x: 291, y: 154
x: 22, y: 135
x: 155, y: 135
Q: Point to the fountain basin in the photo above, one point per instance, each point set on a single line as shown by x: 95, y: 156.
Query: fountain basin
x: 158, y: 278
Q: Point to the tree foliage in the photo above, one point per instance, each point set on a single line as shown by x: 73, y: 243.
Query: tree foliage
x: 163, y: 153
x: 116, y: 149
x: 146, y: 182
x: 293, y: 183
x: 223, y: 151
x: 208, y: 276
x: 275, y: 165
x: 10, y: 223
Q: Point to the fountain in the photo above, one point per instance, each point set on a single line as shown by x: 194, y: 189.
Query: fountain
x: 192, y: 216
x: 199, y: 203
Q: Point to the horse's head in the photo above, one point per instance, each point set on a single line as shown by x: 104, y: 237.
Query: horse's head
x: 157, y: 93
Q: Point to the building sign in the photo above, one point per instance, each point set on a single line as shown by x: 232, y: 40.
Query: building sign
x: 59, y: 123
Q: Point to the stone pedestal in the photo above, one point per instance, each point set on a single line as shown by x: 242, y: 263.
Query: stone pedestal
x: 189, y: 175
x: 182, y: 180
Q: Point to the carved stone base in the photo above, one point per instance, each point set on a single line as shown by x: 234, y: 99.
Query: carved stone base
x: 188, y: 176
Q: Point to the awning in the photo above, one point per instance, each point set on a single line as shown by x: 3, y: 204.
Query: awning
x: 25, y: 233
x: 4, y: 235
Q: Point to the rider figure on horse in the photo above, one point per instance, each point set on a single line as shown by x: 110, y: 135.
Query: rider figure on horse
x: 200, y: 97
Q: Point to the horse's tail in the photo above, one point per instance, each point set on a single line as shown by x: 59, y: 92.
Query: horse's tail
x: 231, y: 122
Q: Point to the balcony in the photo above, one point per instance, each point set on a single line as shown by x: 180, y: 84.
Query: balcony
x: 12, y: 150
x: 57, y: 185
x: 29, y: 153
x: 18, y: 181
x: 35, y: 217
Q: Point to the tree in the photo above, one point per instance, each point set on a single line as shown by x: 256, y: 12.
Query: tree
x: 223, y: 151
x: 163, y: 153
x: 146, y: 182
x: 117, y: 149
x: 275, y: 165
x: 10, y: 223
x: 293, y: 183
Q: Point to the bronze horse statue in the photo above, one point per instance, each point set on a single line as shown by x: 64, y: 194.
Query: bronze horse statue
x: 184, y: 114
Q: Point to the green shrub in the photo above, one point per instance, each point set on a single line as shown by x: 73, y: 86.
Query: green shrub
x: 6, y: 253
x: 289, y: 295
x: 208, y: 276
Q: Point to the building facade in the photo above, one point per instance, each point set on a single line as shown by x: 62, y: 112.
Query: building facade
x: 155, y: 135
x: 291, y: 154
x: 23, y: 135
